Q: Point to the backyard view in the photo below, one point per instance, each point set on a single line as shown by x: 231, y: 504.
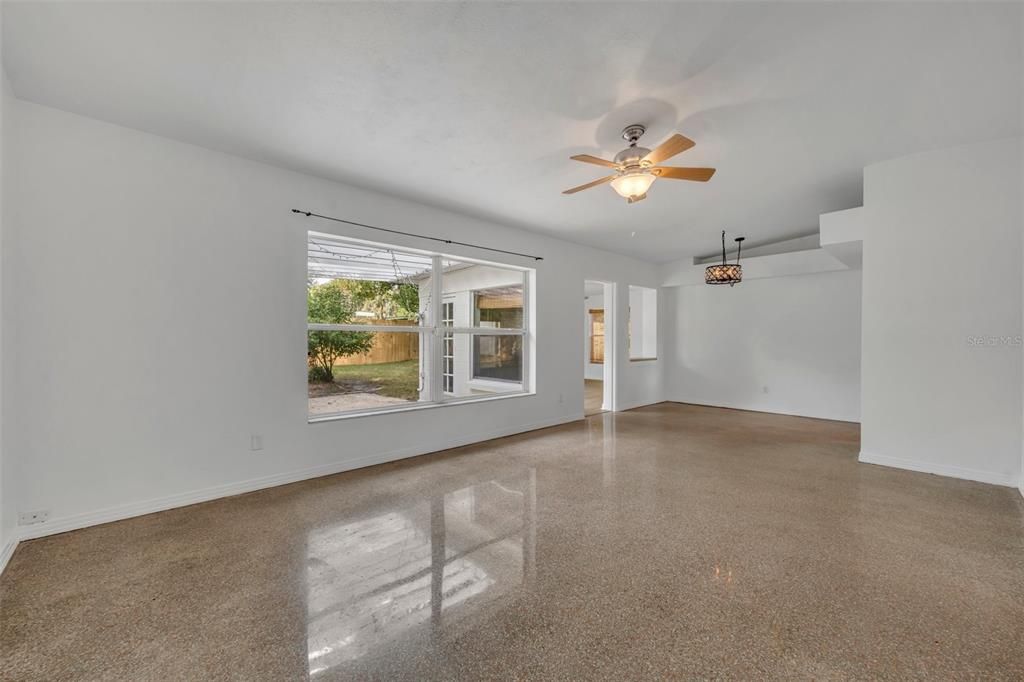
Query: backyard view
x: 352, y: 370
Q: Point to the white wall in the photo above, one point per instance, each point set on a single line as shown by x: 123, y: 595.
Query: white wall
x: 942, y: 268
x: 798, y: 336
x: 634, y: 382
x: 643, y: 323
x: 166, y: 323
x: 6, y: 512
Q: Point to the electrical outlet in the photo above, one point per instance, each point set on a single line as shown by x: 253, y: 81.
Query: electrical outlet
x: 764, y: 388
x: 255, y: 442
x: 28, y: 518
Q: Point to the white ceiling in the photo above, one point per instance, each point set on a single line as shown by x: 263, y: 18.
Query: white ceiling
x: 477, y: 107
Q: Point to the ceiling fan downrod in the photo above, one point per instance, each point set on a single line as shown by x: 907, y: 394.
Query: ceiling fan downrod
x: 633, y: 133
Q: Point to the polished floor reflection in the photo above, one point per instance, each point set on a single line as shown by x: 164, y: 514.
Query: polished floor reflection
x: 373, y: 580
x: 669, y: 541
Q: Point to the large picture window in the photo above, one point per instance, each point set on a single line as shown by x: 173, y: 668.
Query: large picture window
x: 389, y: 328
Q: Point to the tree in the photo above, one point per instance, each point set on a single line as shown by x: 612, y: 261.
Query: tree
x: 331, y: 303
x: 386, y: 300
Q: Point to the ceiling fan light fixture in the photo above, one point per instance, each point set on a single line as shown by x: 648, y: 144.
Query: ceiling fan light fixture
x: 636, y: 168
x: 633, y: 184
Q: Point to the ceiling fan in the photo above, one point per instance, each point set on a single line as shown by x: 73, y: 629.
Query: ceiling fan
x: 637, y: 167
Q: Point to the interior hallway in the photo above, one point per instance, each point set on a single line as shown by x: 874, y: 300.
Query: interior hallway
x: 593, y: 396
x: 672, y: 540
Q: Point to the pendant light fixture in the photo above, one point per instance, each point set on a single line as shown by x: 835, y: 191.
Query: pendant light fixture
x: 726, y: 273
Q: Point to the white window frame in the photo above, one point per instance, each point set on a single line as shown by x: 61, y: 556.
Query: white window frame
x: 448, y: 361
x: 484, y: 383
x: 432, y: 331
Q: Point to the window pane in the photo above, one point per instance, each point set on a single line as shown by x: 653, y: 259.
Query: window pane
x: 359, y: 284
x: 597, y: 336
x: 363, y: 370
x: 498, y: 357
x: 483, y: 295
x: 508, y: 316
x: 484, y: 364
x: 447, y: 348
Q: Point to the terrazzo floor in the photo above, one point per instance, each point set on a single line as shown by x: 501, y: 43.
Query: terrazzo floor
x: 672, y: 541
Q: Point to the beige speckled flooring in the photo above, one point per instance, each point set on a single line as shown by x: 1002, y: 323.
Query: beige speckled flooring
x: 669, y: 541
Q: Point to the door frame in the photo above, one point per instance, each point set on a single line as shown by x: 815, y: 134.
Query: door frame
x: 611, y: 356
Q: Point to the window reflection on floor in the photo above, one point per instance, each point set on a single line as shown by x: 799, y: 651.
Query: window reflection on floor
x: 373, y: 580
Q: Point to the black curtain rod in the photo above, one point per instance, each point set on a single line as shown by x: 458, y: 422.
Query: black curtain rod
x: 309, y: 214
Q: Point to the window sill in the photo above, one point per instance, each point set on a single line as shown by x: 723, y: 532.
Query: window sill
x: 496, y: 385
x: 642, y: 359
x: 417, y: 406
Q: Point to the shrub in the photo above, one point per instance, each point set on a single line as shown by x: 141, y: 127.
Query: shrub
x: 330, y: 303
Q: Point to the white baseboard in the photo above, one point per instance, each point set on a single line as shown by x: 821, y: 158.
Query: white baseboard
x: 132, y: 509
x: 6, y: 552
x: 749, y: 408
x: 633, y: 406
x: 991, y: 477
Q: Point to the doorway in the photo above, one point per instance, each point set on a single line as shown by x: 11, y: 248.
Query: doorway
x: 598, y: 356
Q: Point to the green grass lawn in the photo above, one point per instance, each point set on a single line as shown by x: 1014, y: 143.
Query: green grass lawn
x: 393, y: 379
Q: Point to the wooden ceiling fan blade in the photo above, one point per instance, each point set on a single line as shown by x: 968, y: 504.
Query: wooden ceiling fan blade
x: 695, y: 174
x: 669, y: 148
x: 595, y: 183
x: 587, y: 158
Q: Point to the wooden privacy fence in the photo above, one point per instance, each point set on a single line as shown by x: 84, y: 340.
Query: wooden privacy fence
x: 387, y: 346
